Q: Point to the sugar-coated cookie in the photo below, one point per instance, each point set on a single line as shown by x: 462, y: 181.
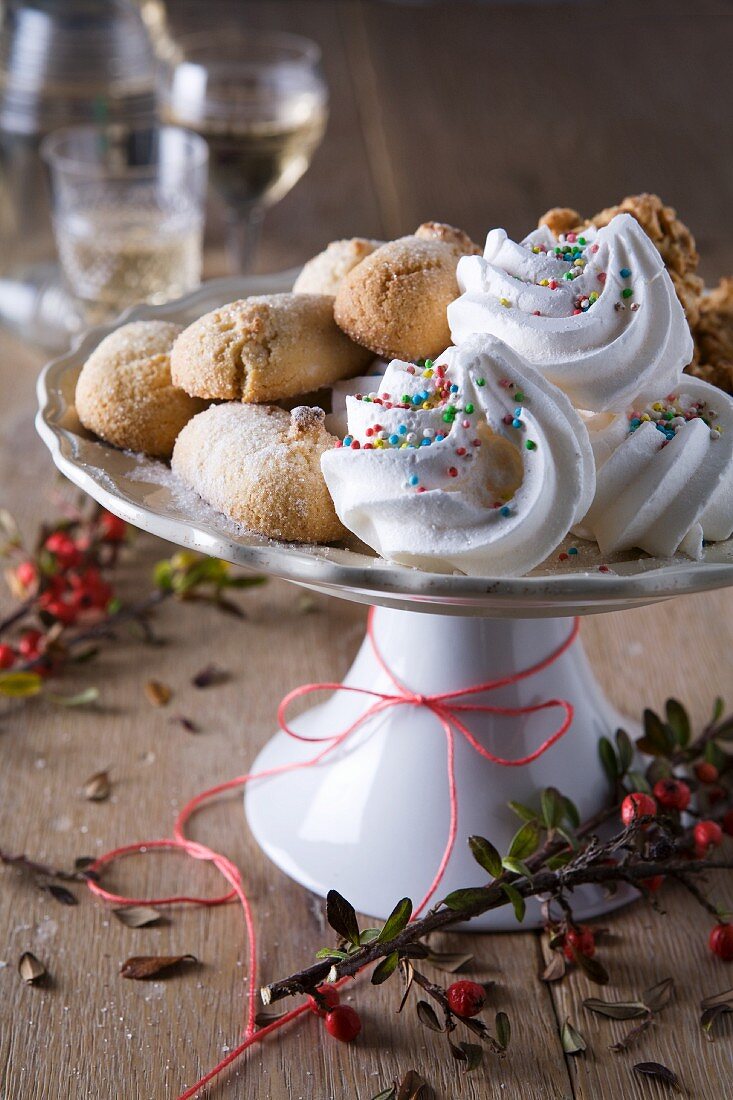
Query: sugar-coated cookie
x: 265, y: 348
x: 125, y: 394
x: 394, y: 301
x: 326, y: 271
x: 261, y: 466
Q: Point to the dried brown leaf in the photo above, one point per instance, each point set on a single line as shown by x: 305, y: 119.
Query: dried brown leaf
x: 412, y: 1087
x: 158, y: 693
x: 143, y: 967
x: 616, y: 1010
x: 60, y: 893
x: 659, y: 1073
x: 30, y: 968
x: 187, y: 724
x: 137, y: 916
x: 555, y: 969
x: 210, y: 677
x: 572, y: 1041
x: 426, y: 1015
x: 659, y: 995
x: 97, y: 787
x: 724, y: 998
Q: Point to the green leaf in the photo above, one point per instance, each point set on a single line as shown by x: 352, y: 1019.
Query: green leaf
x: 525, y: 812
x: 503, y: 1029
x: 571, y: 812
x: 518, y: 903
x: 516, y: 866
x: 472, y: 1055
x: 718, y: 708
x: 657, y: 733
x: 609, y: 760
x: 20, y: 685
x: 386, y: 1094
x: 331, y: 953
x: 81, y: 699
x: 554, y: 863
x: 341, y: 915
x: 397, y: 921
x: 678, y: 721
x: 715, y: 755
x: 525, y: 841
x: 625, y: 750
x: 163, y: 575
x: 485, y: 854
x: 466, y: 898
x: 638, y: 782
x: 386, y: 968
x: 244, y: 582
x: 592, y: 968
x: 368, y: 935
x: 552, y: 807
x: 572, y: 1041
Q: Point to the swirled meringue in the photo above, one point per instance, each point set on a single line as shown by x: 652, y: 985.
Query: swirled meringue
x: 664, y: 473
x: 474, y: 463
x: 596, y: 313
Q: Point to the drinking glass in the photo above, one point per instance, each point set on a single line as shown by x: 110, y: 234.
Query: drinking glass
x: 260, y: 101
x: 128, y: 213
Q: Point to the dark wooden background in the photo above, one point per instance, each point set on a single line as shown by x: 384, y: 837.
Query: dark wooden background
x: 478, y: 114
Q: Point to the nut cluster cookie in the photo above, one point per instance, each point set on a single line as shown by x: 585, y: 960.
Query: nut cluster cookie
x: 261, y: 466
x: 672, y: 238
x: 125, y: 394
x: 326, y: 271
x: 714, y: 337
x: 394, y: 302
x: 265, y: 348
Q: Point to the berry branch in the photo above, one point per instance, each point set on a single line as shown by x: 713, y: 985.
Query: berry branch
x: 662, y: 836
x: 66, y: 600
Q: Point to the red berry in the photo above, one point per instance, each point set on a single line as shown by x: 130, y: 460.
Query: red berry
x: 64, y: 549
x: 7, y: 656
x: 579, y: 941
x: 706, y: 772
x: 329, y: 995
x: 26, y: 573
x: 62, y: 610
x: 707, y: 834
x: 637, y: 805
x: 721, y: 941
x: 343, y: 1023
x: 466, y: 998
x: 728, y: 823
x: 653, y: 884
x: 29, y: 645
x: 673, y: 794
x: 112, y: 528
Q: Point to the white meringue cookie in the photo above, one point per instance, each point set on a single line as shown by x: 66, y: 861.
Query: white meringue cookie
x: 664, y: 492
x: 631, y: 340
x: 349, y: 387
x: 483, y: 496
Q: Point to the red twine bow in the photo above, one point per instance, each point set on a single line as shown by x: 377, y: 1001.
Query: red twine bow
x: 447, y: 709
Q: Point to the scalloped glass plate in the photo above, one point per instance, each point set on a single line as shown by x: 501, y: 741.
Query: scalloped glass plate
x: 146, y: 494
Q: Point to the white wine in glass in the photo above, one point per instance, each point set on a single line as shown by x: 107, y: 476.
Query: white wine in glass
x: 261, y: 103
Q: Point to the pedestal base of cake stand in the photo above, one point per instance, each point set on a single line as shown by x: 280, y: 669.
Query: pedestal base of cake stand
x: 372, y: 819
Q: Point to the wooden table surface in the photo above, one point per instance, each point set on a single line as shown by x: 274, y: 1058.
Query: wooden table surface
x: 479, y: 115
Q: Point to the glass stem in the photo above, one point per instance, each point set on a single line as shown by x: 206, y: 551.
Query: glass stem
x: 244, y: 230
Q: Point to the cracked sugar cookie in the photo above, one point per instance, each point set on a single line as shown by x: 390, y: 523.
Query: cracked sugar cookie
x: 261, y: 466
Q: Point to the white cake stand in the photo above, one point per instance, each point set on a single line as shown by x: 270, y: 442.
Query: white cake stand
x: 372, y: 819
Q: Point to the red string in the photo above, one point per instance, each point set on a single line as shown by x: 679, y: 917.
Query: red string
x: 444, y: 706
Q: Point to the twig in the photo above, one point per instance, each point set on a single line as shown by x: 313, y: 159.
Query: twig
x: 545, y: 882
x: 23, y: 863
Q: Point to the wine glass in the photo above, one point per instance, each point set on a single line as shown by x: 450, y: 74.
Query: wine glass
x: 259, y: 99
x: 128, y: 212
